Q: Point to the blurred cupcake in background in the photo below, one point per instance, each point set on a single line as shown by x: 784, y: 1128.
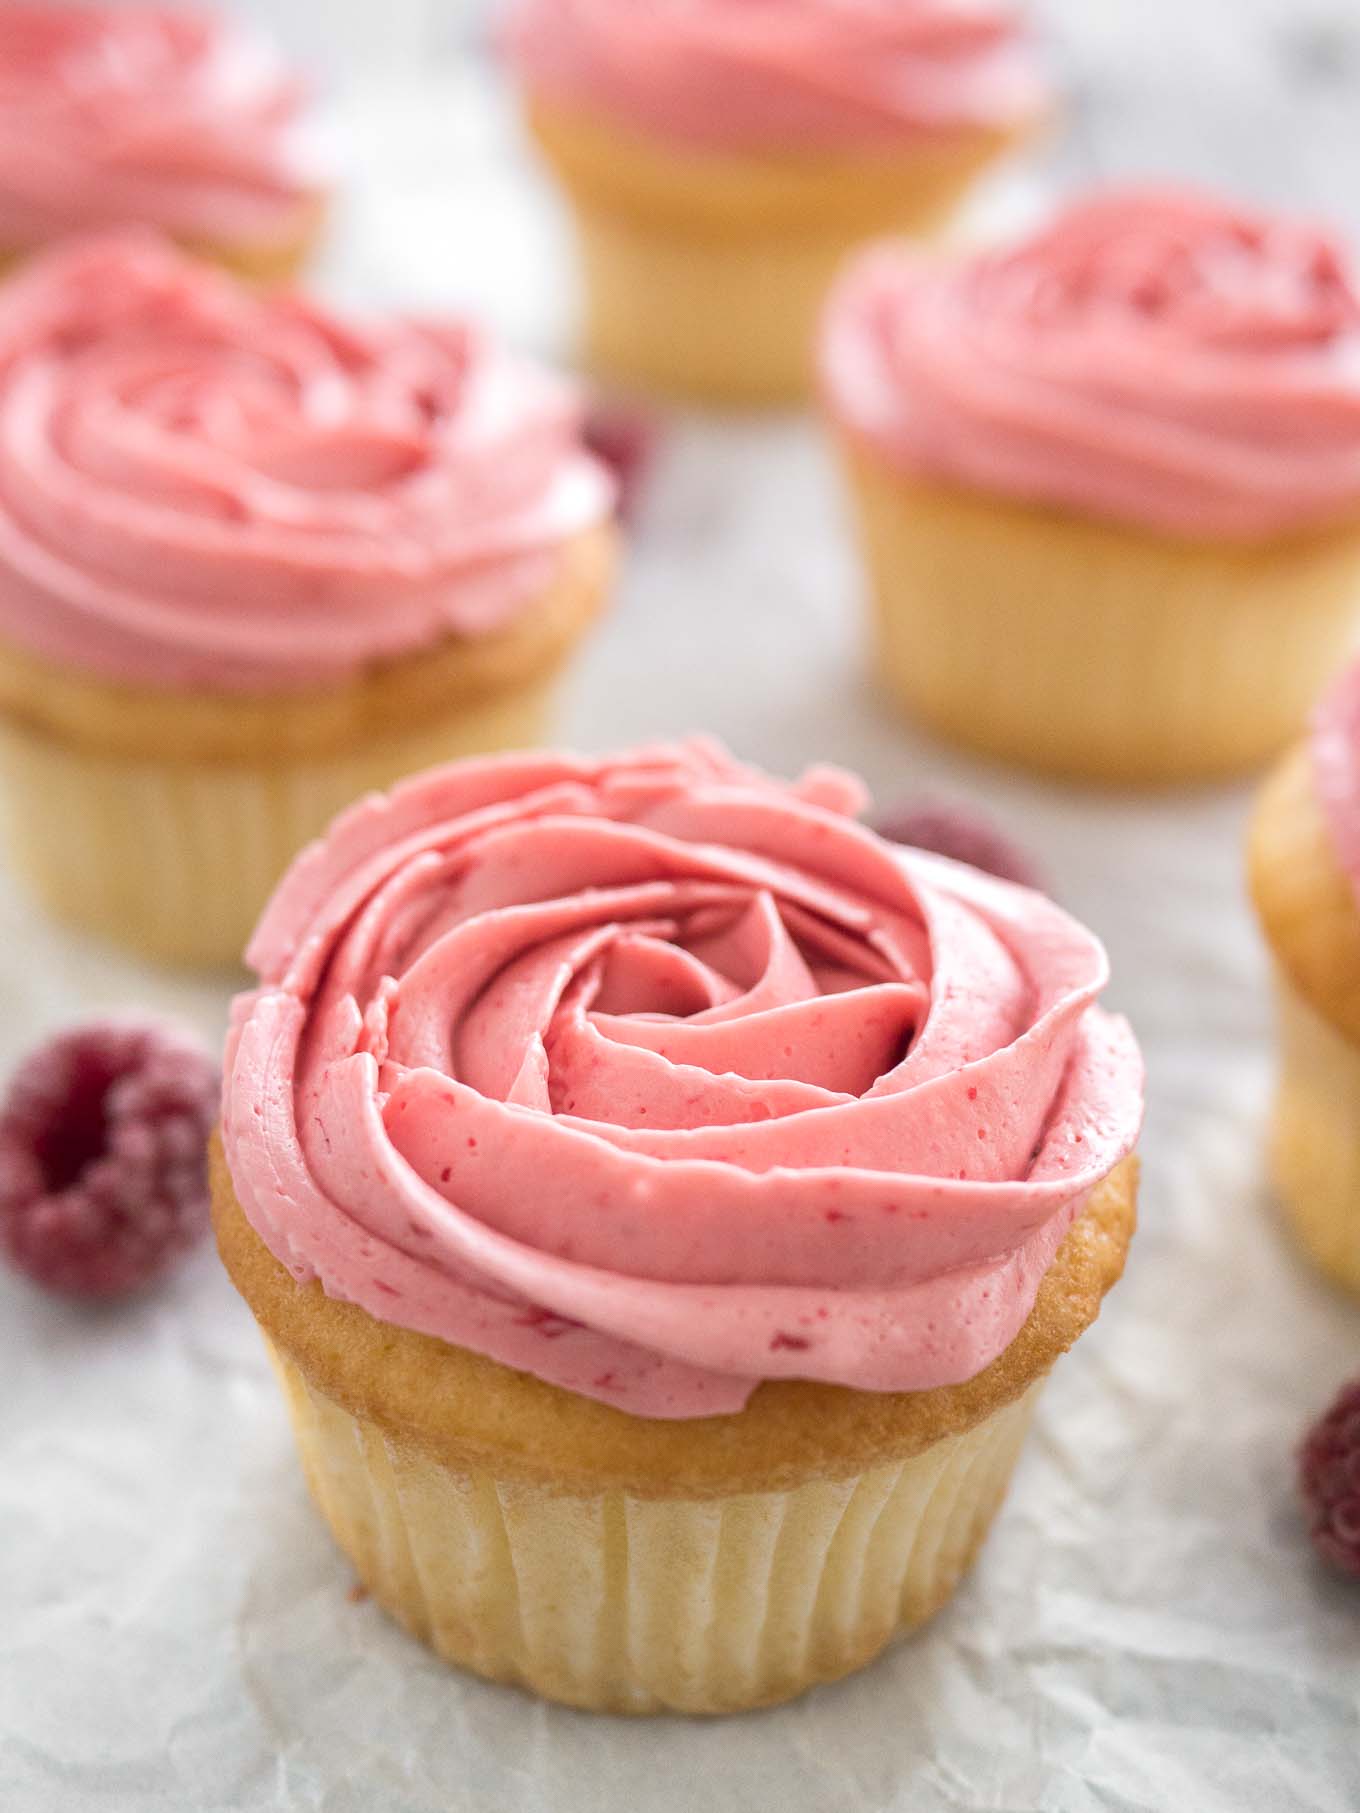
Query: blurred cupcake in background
x: 723, y: 159
x: 159, y: 116
x: 256, y: 559
x: 1305, y: 881
x: 1108, y: 482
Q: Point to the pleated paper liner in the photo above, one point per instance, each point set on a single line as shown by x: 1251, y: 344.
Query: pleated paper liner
x: 1304, y: 900
x: 1087, y: 650
x: 623, y: 1604
x: 175, y: 860
x: 705, y: 271
x: 161, y: 821
x: 1315, y: 1137
x: 1311, y: 922
x: 627, y: 1565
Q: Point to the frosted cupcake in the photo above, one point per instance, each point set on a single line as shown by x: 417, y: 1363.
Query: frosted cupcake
x: 1108, y: 482
x: 722, y: 159
x: 663, y: 1200
x: 1305, y: 880
x: 159, y: 116
x: 255, y: 559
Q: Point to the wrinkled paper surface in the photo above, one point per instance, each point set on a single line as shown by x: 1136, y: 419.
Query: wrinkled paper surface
x: 1146, y: 1628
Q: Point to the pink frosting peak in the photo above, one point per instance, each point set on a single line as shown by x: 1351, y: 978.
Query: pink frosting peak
x: 1156, y: 357
x: 655, y: 1077
x: 171, y: 118
x: 200, y: 485
x: 782, y: 72
x: 1336, y: 768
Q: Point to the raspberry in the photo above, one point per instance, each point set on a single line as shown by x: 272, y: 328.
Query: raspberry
x: 1329, y: 1479
x: 103, y: 1157
x: 622, y: 439
x: 958, y: 831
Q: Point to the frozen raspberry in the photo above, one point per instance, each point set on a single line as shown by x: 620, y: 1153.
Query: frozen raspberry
x: 624, y: 439
x: 958, y: 831
x: 103, y: 1157
x: 1329, y: 1478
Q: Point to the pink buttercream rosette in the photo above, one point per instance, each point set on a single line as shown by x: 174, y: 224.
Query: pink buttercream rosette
x: 162, y: 115
x: 656, y: 1078
x: 783, y: 72
x: 205, y: 486
x: 1157, y: 357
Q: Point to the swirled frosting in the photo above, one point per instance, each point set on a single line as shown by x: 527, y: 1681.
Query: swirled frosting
x: 152, y: 114
x: 1336, y: 768
x: 1155, y: 357
x: 202, y: 485
x: 782, y: 72
x: 655, y: 1078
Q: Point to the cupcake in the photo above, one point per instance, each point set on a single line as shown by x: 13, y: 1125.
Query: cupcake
x: 255, y: 559
x: 1108, y: 482
x: 159, y: 116
x: 663, y: 1200
x: 1305, y: 881
x: 723, y: 159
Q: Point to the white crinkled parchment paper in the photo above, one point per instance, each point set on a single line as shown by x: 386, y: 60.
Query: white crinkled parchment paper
x: 1146, y: 1629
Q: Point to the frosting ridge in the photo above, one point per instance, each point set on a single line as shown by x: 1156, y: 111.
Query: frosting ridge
x: 156, y: 114
x: 201, y: 485
x: 1153, y: 356
x: 655, y: 1077
x: 783, y: 72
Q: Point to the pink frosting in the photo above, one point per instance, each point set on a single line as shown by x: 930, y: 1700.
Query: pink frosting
x: 174, y: 119
x: 655, y: 1077
x: 1155, y: 357
x: 202, y: 485
x: 1336, y: 768
x: 782, y: 72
